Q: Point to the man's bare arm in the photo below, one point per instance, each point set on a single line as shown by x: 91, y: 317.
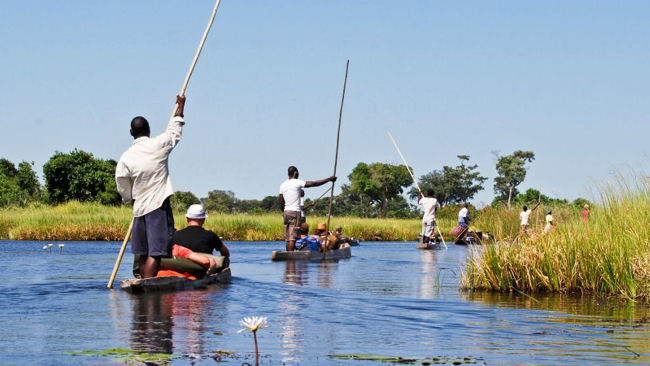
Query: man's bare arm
x: 317, y: 183
x: 281, y: 199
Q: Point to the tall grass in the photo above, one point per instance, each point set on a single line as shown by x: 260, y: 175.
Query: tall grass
x: 608, y: 255
x: 92, y: 221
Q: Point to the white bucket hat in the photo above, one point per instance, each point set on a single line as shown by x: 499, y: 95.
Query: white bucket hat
x: 196, y: 212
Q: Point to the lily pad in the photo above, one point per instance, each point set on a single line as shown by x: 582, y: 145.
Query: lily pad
x: 125, y: 355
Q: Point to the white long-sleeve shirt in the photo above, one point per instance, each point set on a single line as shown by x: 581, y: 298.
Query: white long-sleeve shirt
x: 142, y: 174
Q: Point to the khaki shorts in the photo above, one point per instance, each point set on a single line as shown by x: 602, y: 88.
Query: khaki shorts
x: 291, y: 225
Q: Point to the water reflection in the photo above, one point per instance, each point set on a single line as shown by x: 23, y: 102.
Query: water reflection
x: 295, y: 273
x: 428, y: 276
x: 152, y: 323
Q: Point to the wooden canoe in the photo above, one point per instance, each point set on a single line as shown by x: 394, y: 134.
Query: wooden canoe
x: 308, y: 255
x: 156, y: 284
x: 429, y: 245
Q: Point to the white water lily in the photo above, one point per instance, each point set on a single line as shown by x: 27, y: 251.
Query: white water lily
x: 253, y: 323
x: 50, y: 245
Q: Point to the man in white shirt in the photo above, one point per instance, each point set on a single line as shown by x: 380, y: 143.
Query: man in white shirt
x: 290, y: 203
x: 430, y: 206
x: 142, y: 177
x: 524, y: 215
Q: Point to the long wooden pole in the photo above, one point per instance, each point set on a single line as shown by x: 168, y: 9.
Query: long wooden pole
x: 182, y: 92
x: 338, y: 135
x: 414, y: 181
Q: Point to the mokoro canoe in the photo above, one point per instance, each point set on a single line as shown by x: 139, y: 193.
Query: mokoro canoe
x: 306, y: 255
x: 429, y: 245
x: 155, y: 284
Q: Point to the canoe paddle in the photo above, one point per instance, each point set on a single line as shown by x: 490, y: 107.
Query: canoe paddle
x: 183, y: 89
x: 414, y: 181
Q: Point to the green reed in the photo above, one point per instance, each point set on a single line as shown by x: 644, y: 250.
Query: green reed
x: 607, y: 255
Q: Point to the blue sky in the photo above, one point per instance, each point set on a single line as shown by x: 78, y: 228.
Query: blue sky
x: 567, y: 80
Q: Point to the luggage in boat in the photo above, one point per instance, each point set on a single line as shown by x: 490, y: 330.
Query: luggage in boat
x: 455, y: 232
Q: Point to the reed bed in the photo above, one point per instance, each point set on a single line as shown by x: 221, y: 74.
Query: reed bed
x: 608, y: 255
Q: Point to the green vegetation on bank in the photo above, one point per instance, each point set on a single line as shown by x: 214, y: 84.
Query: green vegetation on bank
x: 608, y: 255
x: 93, y: 221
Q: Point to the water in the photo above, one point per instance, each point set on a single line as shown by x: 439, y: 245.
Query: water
x: 388, y: 299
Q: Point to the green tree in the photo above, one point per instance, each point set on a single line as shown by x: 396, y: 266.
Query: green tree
x: 511, y: 172
x: 181, y: 200
x: 18, y: 186
x: 377, y: 184
x: 452, y: 184
x: 80, y: 176
x: 220, y: 201
x: 27, y: 179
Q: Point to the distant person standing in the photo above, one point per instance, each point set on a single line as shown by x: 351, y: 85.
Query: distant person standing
x: 549, y: 222
x: 142, y: 177
x: 524, y: 215
x: 463, y: 216
x: 585, y: 213
x: 430, y: 206
x: 290, y: 202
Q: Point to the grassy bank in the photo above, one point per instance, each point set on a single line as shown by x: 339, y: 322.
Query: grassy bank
x: 608, y: 255
x: 90, y: 221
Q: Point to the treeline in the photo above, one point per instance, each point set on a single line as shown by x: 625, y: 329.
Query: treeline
x: 374, y: 190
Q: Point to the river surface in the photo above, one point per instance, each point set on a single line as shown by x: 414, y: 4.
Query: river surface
x: 389, y: 299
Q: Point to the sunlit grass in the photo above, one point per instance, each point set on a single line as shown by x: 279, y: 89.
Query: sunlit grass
x: 608, y: 255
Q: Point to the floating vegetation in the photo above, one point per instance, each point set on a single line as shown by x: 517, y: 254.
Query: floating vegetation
x: 440, y: 360
x: 126, y: 355
x: 217, y: 333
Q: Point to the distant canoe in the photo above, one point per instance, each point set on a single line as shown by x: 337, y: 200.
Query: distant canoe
x: 429, y: 245
x: 307, y: 255
x: 353, y: 242
x: 156, y: 284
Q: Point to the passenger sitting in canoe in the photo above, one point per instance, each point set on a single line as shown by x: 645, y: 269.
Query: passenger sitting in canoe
x: 327, y: 239
x: 306, y: 241
x: 342, y: 239
x: 195, y: 238
x: 290, y: 202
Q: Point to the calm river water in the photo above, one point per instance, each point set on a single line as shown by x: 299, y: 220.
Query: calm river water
x: 389, y: 299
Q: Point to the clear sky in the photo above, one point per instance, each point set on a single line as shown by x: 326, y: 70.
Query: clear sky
x: 569, y: 80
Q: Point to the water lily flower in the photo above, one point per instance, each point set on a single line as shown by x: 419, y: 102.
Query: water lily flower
x: 45, y: 247
x: 50, y: 245
x: 253, y: 323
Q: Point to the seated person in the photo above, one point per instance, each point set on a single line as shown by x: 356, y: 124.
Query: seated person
x: 195, y: 238
x: 328, y: 240
x: 307, y: 241
x: 180, y: 251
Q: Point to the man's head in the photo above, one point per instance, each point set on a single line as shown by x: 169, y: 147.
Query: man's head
x: 339, y: 229
x: 293, y: 172
x: 304, y: 228
x: 525, y: 208
x: 139, y: 127
x: 429, y: 192
x: 549, y: 212
x: 196, y: 215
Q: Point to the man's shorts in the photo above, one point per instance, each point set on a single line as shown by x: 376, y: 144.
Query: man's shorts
x: 153, y: 233
x: 427, y: 228
x: 291, y: 225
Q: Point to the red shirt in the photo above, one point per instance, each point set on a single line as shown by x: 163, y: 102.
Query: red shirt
x: 585, y: 214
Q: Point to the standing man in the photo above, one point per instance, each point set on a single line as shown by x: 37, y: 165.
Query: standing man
x: 430, y: 206
x: 142, y: 177
x: 290, y: 202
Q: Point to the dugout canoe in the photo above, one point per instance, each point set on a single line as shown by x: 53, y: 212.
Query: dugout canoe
x: 157, y: 284
x: 429, y: 245
x: 307, y: 255
x: 221, y: 275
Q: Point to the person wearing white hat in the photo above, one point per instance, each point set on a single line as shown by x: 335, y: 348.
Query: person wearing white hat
x: 195, y: 237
